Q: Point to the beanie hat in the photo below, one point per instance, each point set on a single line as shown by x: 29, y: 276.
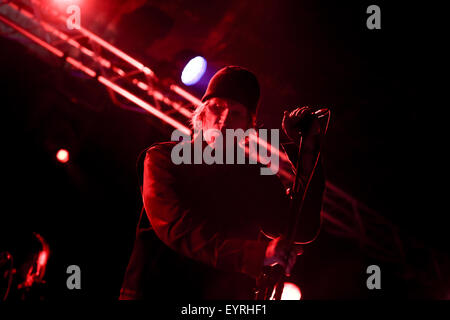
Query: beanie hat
x: 234, y: 83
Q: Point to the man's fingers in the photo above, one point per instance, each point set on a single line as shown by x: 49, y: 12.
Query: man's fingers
x: 282, y: 252
x: 290, y: 262
x: 287, y: 260
x: 292, y: 114
x: 297, y: 113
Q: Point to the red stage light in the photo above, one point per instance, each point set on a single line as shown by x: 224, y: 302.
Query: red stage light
x: 42, y: 259
x: 290, y: 292
x: 62, y: 155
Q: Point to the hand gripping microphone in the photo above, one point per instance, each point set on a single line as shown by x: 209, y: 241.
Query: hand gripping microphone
x: 305, y: 123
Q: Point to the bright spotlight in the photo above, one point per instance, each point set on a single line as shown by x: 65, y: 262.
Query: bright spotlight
x: 290, y: 292
x: 193, y: 71
x: 62, y: 155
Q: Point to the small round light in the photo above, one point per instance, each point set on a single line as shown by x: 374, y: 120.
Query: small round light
x: 193, y: 71
x: 291, y: 292
x: 62, y: 155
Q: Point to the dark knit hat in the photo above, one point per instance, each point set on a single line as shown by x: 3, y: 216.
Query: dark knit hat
x: 234, y: 83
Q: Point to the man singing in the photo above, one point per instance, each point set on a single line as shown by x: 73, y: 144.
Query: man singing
x: 200, y: 234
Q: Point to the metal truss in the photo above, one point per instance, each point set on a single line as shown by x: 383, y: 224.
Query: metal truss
x: 87, y: 52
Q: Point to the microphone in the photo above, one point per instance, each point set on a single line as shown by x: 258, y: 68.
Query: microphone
x: 305, y: 123
x: 320, y: 113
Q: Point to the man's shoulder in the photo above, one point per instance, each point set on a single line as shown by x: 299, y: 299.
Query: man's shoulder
x: 166, y: 145
x: 156, y: 155
x: 162, y: 150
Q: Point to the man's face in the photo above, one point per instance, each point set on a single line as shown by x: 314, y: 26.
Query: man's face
x: 222, y: 114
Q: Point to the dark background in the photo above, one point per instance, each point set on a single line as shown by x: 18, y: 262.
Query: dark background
x: 383, y: 144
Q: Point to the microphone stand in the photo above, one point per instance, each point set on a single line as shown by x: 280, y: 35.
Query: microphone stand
x: 273, y: 278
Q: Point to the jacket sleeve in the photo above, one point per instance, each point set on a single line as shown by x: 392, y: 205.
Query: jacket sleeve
x: 184, y: 230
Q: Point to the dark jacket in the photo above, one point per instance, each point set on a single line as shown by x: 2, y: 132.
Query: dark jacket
x: 202, y: 238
